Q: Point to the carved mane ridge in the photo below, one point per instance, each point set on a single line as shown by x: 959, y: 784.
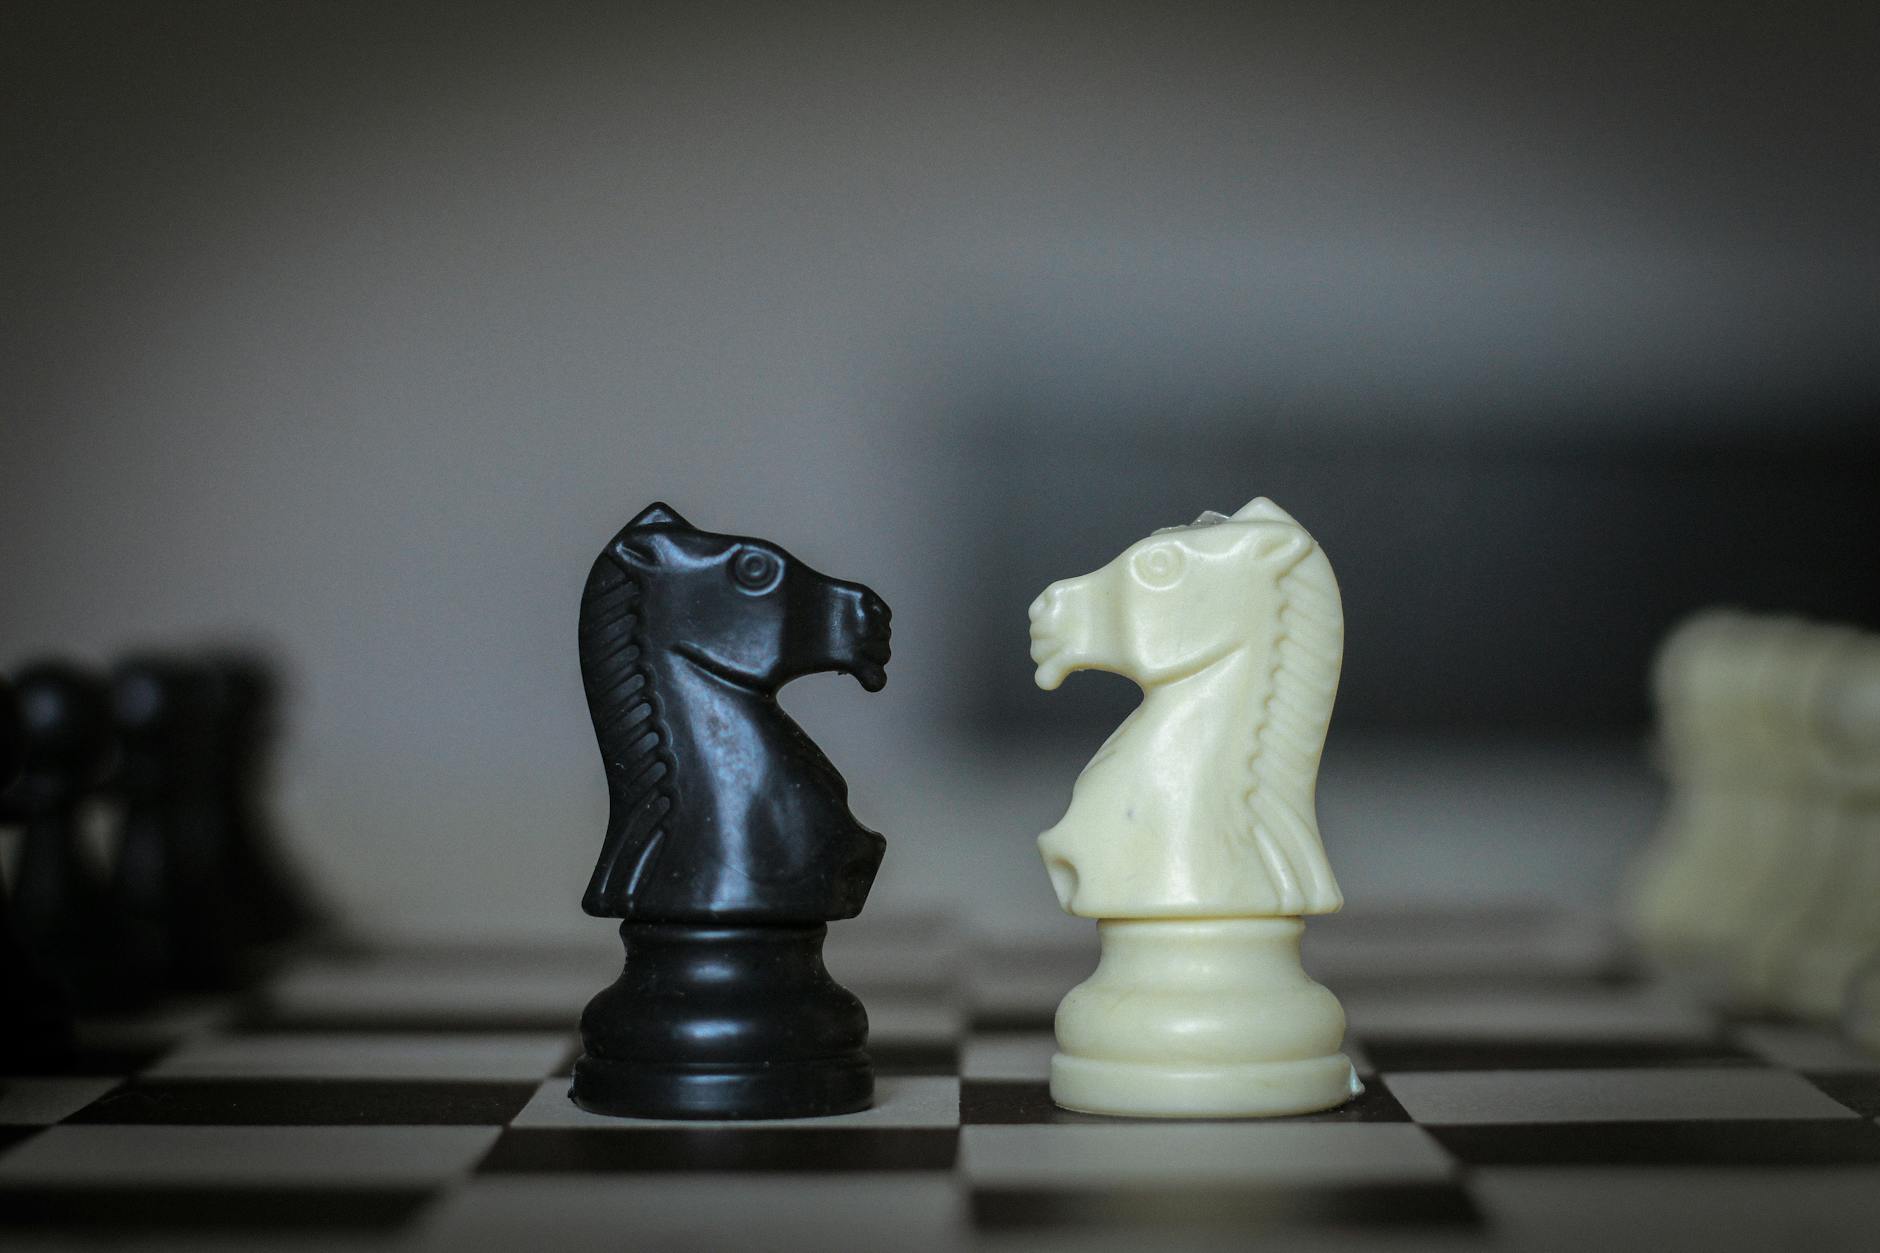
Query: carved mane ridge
x: 624, y: 706
x: 1299, y: 682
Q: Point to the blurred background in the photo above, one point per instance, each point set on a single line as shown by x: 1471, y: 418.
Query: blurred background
x: 355, y: 329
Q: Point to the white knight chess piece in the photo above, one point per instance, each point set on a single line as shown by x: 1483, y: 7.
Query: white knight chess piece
x: 1192, y: 835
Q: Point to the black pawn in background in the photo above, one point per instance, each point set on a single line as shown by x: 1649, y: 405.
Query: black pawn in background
x: 61, y: 904
x: 35, y: 1028
x: 275, y: 906
x: 173, y: 884
x: 729, y: 844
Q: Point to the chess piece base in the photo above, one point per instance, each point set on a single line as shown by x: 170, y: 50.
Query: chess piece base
x: 723, y: 1023
x: 1201, y: 1018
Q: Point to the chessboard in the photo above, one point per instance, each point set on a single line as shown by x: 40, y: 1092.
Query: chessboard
x: 1524, y: 1088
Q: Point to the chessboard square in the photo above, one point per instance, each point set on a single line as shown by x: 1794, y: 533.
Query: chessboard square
x: 901, y: 1101
x: 1420, y: 1053
x: 910, y: 1213
x: 1789, y: 1142
x: 513, y: 1056
x: 1121, y: 1154
x: 1543, y: 1016
x: 1149, y: 1216
x: 760, y: 1148
x: 10, y: 1136
x: 33, y: 1102
x: 309, y: 1103
x: 1556, y: 1096
x: 1806, y: 1048
x: 197, y: 1219
x: 1859, y: 1091
x: 1669, y: 1207
x: 388, y: 1157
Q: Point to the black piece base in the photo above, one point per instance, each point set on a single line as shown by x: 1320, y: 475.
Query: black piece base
x: 837, y: 1085
x: 724, y: 1023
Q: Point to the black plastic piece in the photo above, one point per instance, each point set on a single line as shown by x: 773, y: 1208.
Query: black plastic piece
x: 173, y: 884
x: 729, y: 841
x: 35, y: 1022
x: 61, y: 902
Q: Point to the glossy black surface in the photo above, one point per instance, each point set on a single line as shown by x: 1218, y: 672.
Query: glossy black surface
x: 173, y: 884
x: 724, y: 1022
x: 34, y: 1025
x: 61, y: 903
x: 729, y: 834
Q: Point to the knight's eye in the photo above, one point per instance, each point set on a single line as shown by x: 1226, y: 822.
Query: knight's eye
x: 1159, y: 567
x: 755, y: 569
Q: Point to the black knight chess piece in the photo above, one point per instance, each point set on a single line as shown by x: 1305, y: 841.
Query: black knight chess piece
x: 729, y: 845
x: 35, y: 1026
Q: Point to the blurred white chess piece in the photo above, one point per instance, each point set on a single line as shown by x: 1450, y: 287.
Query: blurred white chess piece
x: 1764, y: 877
x: 1192, y: 835
x: 1839, y: 931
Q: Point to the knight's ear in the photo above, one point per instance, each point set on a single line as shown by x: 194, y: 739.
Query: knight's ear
x: 1281, y: 545
x: 1260, y: 509
x: 659, y: 513
x: 631, y: 555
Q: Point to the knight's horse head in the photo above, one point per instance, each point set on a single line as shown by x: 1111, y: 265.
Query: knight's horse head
x: 745, y: 609
x: 1171, y: 604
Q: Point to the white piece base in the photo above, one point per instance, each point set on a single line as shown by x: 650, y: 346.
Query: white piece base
x: 1249, y: 1090
x: 1201, y: 1018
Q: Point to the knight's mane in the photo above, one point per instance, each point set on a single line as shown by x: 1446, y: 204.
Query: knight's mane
x: 1295, y: 709
x: 632, y: 736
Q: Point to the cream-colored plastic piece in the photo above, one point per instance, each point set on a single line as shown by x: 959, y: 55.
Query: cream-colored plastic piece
x: 1807, y: 962
x: 1763, y: 878
x: 1200, y: 1018
x: 1193, y: 833
x: 1817, y: 838
x: 1203, y: 802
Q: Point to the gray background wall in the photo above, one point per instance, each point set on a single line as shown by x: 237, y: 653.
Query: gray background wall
x: 360, y: 326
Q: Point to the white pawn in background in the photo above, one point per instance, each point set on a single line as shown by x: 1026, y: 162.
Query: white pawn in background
x: 1192, y: 836
x: 1818, y: 832
x: 1697, y: 698
x: 1763, y: 880
x: 1824, y: 976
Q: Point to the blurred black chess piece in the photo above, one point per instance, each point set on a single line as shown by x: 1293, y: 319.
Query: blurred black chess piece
x: 245, y: 696
x: 730, y: 844
x: 35, y: 1023
x: 61, y: 902
x: 175, y: 886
